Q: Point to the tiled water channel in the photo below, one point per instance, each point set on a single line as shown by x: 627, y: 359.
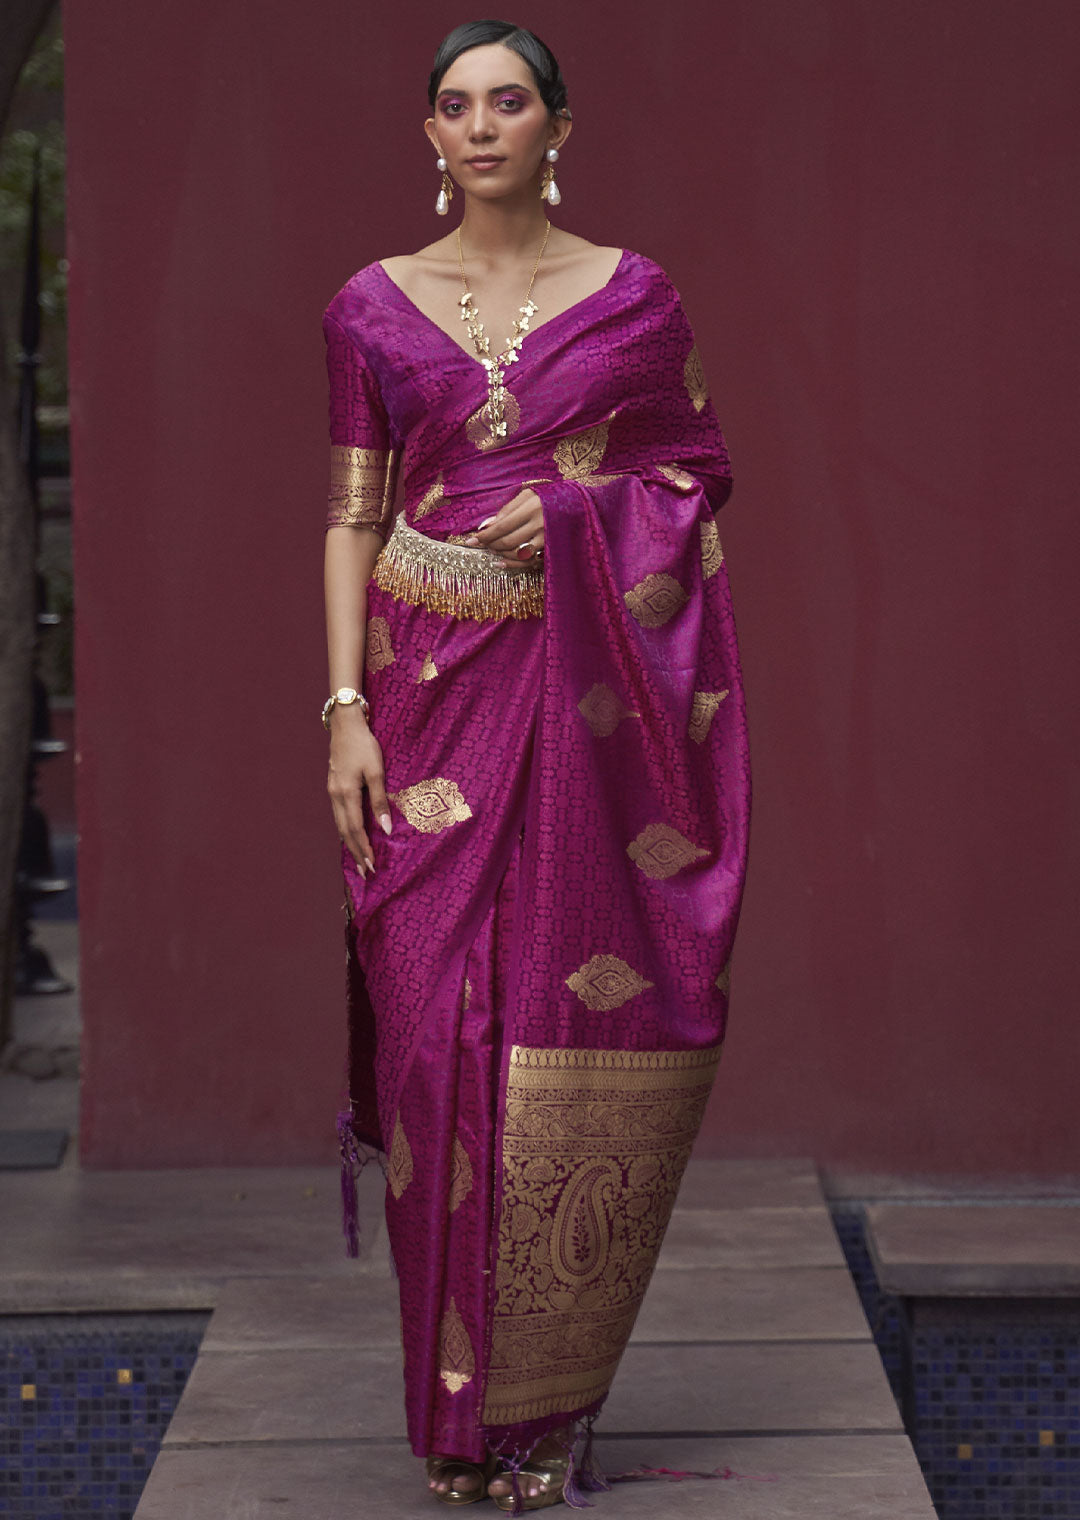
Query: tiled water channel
x: 84, y: 1404
x: 989, y: 1389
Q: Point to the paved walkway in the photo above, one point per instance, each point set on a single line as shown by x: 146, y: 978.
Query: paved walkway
x: 751, y: 1350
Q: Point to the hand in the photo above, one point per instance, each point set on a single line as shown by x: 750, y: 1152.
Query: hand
x: 355, y: 762
x: 520, y: 520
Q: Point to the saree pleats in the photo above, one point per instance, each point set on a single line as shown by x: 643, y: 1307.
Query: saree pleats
x: 539, y: 967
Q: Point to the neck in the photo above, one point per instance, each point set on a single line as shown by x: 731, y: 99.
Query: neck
x: 503, y: 231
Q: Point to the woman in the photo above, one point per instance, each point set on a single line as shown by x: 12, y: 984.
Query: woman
x: 543, y: 885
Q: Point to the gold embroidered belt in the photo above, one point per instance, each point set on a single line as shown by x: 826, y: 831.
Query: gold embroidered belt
x: 454, y: 579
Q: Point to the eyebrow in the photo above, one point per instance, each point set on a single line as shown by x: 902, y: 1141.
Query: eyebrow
x: 498, y: 90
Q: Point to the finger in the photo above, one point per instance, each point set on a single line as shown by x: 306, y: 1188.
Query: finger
x: 516, y: 530
x: 355, y: 835
x: 380, y: 804
x: 510, y: 515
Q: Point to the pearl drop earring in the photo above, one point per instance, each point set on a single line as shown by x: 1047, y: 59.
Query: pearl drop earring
x: 549, y: 190
x: 446, y: 192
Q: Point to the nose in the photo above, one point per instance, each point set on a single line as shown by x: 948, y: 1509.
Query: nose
x: 482, y: 123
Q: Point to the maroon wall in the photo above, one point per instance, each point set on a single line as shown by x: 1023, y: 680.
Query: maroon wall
x: 869, y: 210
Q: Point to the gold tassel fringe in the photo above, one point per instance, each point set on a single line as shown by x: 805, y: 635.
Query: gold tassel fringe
x: 455, y: 580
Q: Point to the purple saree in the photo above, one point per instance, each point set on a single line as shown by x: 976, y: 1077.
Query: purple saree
x: 538, y: 968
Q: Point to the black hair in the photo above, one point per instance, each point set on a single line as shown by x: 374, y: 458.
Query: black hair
x: 527, y: 45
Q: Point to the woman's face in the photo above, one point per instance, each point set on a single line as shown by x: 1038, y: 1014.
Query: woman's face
x: 490, y: 123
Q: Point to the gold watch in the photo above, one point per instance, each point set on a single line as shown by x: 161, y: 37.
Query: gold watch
x: 345, y: 696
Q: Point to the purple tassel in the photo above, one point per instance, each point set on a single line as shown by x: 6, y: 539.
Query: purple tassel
x: 592, y: 1478
x: 352, y: 1164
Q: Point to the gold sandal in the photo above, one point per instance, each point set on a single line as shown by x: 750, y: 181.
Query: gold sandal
x: 438, y: 1467
x: 550, y: 1471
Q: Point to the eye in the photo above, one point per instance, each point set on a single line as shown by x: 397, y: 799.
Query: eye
x: 452, y: 107
x: 513, y: 101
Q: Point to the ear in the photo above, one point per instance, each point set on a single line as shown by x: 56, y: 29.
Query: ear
x: 560, y: 131
x: 429, y: 128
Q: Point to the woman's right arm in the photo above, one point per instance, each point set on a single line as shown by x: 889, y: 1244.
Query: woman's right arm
x: 355, y: 755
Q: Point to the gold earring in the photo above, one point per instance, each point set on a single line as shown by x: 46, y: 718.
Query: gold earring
x: 446, y: 193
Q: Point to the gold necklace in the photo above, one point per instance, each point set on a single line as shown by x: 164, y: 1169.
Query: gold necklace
x: 495, y: 411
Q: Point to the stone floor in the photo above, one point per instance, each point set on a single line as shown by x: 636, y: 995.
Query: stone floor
x: 750, y: 1353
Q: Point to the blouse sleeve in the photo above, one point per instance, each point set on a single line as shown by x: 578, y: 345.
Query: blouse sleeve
x: 363, y: 465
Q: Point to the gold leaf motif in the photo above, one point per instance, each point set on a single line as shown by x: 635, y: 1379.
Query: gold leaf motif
x: 431, y: 498
x: 602, y: 710
x: 702, y: 712
x: 723, y: 981
x: 605, y: 982
x: 456, y: 1360
x: 712, y: 555
x: 432, y: 805
x: 399, y: 1172
x: 461, y: 1175
x: 477, y: 430
x: 429, y: 670
x: 660, y: 851
x: 379, y: 652
x: 468, y: 992
x: 580, y: 453
x: 694, y: 379
x: 656, y: 599
x: 678, y: 476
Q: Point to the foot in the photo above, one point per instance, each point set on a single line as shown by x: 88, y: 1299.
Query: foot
x: 455, y: 1475
x: 554, y: 1445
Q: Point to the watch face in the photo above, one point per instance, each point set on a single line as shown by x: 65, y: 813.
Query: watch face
x: 345, y: 695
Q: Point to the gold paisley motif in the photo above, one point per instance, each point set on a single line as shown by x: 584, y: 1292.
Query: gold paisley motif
x: 580, y: 453
x: 723, y: 981
x: 461, y: 1175
x: 456, y: 1360
x: 429, y: 670
x: 594, y: 1146
x: 430, y: 499
x: 660, y: 851
x: 703, y: 711
x: 602, y: 710
x: 712, y: 555
x: 678, y: 476
x: 378, y: 652
x: 432, y: 805
x: 477, y: 430
x: 694, y: 379
x: 656, y: 599
x: 605, y: 982
x: 399, y: 1172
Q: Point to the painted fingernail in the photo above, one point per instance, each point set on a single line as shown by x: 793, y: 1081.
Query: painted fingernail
x: 472, y: 539
x: 486, y: 520
x: 384, y: 822
x: 371, y: 867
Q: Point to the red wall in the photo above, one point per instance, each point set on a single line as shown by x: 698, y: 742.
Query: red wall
x: 871, y: 213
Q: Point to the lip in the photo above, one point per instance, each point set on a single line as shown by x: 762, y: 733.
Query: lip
x: 485, y: 161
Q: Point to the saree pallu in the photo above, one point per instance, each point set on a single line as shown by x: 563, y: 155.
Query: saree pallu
x: 538, y: 969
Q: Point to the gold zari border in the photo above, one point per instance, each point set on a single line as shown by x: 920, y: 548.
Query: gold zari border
x: 455, y: 580
x: 594, y: 1147
x: 361, y: 487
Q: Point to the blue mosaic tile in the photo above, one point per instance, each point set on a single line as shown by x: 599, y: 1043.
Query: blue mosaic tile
x: 989, y: 1390
x: 84, y: 1404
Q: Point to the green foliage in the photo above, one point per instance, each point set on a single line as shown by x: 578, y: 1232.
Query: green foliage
x: 36, y: 127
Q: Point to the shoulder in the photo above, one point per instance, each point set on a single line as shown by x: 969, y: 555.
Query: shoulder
x: 648, y: 271
x: 357, y: 294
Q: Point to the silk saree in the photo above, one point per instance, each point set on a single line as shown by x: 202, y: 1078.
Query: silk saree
x: 538, y: 968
